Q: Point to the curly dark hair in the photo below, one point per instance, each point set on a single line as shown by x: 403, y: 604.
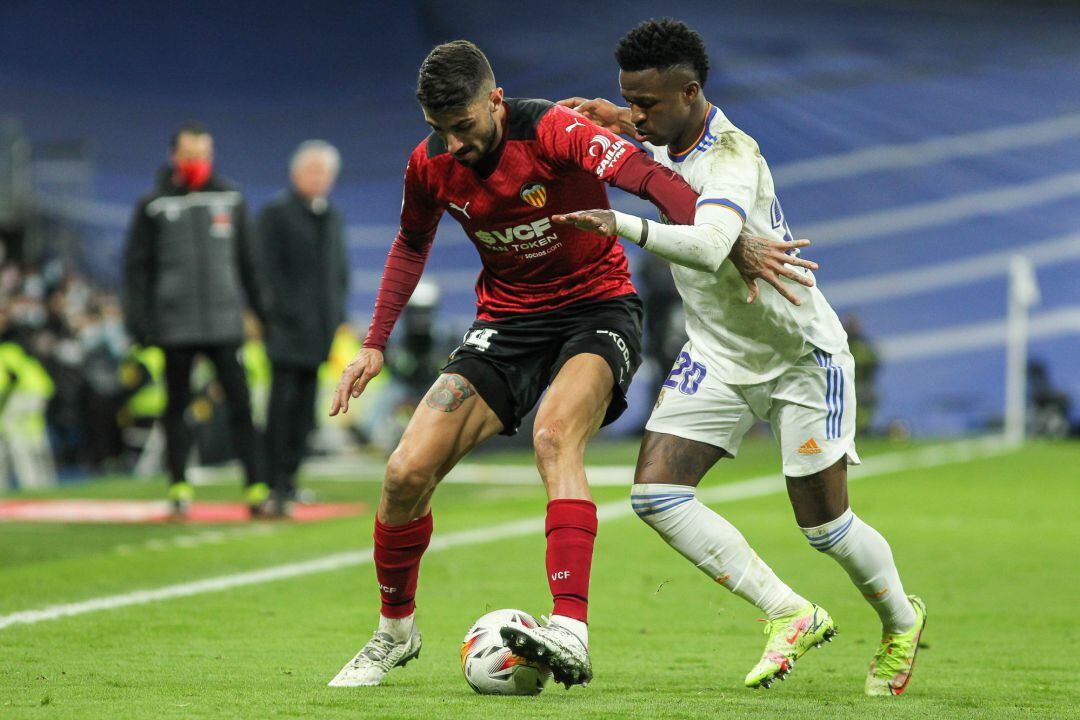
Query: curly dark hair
x: 663, y: 45
x: 451, y: 76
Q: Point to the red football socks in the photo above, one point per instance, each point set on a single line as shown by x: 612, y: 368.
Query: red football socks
x: 398, y: 549
x: 571, y: 531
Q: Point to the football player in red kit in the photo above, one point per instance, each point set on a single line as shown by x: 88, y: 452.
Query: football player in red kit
x: 555, y: 310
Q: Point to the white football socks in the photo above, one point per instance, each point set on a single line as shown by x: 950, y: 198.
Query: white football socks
x: 868, y: 560
x: 714, y: 546
x: 397, y: 628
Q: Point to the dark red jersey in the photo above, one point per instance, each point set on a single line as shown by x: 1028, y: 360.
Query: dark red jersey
x: 551, y: 161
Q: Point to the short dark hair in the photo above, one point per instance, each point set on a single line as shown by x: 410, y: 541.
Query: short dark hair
x: 451, y: 76
x: 663, y: 45
x: 191, y: 127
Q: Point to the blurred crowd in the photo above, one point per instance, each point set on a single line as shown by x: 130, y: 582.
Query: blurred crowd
x: 62, y: 344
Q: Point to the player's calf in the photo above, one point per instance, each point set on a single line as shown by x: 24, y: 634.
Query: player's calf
x: 868, y: 560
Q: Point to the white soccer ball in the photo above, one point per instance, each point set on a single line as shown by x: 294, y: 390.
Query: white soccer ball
x: 489, y: 666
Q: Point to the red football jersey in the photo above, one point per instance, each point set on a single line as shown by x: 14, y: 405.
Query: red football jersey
x: 552, y: 160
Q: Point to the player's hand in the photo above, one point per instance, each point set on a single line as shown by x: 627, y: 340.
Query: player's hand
x: 756, y: 257
x: 603, y: 112
x: 355, y: 377
x: 601, y: 222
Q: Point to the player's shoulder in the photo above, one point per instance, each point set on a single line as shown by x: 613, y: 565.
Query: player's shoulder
x: 525, y: 117
x: 732, y: 152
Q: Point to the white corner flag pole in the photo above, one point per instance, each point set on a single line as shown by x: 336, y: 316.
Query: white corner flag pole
x: 1023, y: 294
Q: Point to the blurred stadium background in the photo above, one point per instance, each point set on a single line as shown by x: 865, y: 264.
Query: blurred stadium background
x: 921, y: 146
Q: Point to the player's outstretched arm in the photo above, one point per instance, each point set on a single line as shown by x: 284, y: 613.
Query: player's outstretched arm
x: 604, y: 113
x: 355, y: 377
x: 704, y: 246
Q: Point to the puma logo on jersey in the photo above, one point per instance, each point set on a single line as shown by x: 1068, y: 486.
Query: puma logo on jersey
x: 577, y: 123
x: 463, y: 210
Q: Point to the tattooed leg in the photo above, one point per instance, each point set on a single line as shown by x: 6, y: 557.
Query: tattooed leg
x: 448, y: 393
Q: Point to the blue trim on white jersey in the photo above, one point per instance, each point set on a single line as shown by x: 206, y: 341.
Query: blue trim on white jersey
x: 723, y: 202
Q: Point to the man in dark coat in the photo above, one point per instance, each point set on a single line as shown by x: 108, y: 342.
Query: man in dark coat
x: 189, y: 273
x: 303, y: 252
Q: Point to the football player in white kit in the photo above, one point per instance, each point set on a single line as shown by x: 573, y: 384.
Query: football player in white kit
x: 756, y: 356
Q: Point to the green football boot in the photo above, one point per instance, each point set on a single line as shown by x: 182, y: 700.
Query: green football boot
x: 257, y: 497
x: 891, y: 668
x: 790, y: 637
x: 181, y: 495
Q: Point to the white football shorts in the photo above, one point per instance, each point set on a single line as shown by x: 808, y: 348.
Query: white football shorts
x: 810, y: 407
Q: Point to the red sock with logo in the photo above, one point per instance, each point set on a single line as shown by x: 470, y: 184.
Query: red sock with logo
x: 398, y: 549
x: 571, y: 531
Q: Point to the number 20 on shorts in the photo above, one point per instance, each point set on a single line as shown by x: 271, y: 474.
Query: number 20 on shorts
x: 686, y: 375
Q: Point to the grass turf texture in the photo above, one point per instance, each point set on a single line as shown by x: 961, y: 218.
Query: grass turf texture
x: 987, y: 543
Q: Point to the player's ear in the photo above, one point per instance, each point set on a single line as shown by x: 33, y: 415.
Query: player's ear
x: 690, y: 91
x: 495, y: 98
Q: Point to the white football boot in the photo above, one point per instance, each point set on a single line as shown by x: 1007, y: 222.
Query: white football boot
x: 381, y: 655
x: 553, y: 645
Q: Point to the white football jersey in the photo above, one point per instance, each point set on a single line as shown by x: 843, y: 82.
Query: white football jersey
x: 744, y: 344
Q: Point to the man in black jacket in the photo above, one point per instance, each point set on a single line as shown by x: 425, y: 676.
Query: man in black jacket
x: 189, y: 272
x: 303, y: 252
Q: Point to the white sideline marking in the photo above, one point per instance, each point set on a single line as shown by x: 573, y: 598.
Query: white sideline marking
x: 926, y: 152
x: 894, y: 221
x: 765, y: 485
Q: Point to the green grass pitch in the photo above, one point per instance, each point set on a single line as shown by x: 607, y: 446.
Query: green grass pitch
x: 990, y: 544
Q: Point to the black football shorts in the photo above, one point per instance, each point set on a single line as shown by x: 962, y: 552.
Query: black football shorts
x: 511, y: 361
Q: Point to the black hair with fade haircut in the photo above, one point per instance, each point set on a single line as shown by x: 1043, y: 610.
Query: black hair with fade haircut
x: 663, y: 45
x: 451, y: 76
x: 191, y: 127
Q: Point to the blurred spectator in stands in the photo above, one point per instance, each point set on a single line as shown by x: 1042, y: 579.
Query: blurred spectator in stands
x: 189, y: 271
x: 302, y: 247
x: 25, y: 389
x: 867, y: 363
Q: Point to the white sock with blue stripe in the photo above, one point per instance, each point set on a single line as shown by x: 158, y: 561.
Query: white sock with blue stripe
x: 714, y: 546
x: 868, y: 560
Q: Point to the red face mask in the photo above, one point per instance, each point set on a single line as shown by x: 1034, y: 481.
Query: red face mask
x: 194, y: 173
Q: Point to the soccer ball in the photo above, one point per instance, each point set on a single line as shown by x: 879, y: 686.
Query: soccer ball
x: 489, y: 666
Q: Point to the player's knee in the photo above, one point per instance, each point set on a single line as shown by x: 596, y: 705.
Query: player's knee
x: 550, y: 442
x: 406, y: 479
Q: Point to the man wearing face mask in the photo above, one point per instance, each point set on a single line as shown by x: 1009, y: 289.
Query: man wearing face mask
x: 302, y: 248
x: 189, y: 274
